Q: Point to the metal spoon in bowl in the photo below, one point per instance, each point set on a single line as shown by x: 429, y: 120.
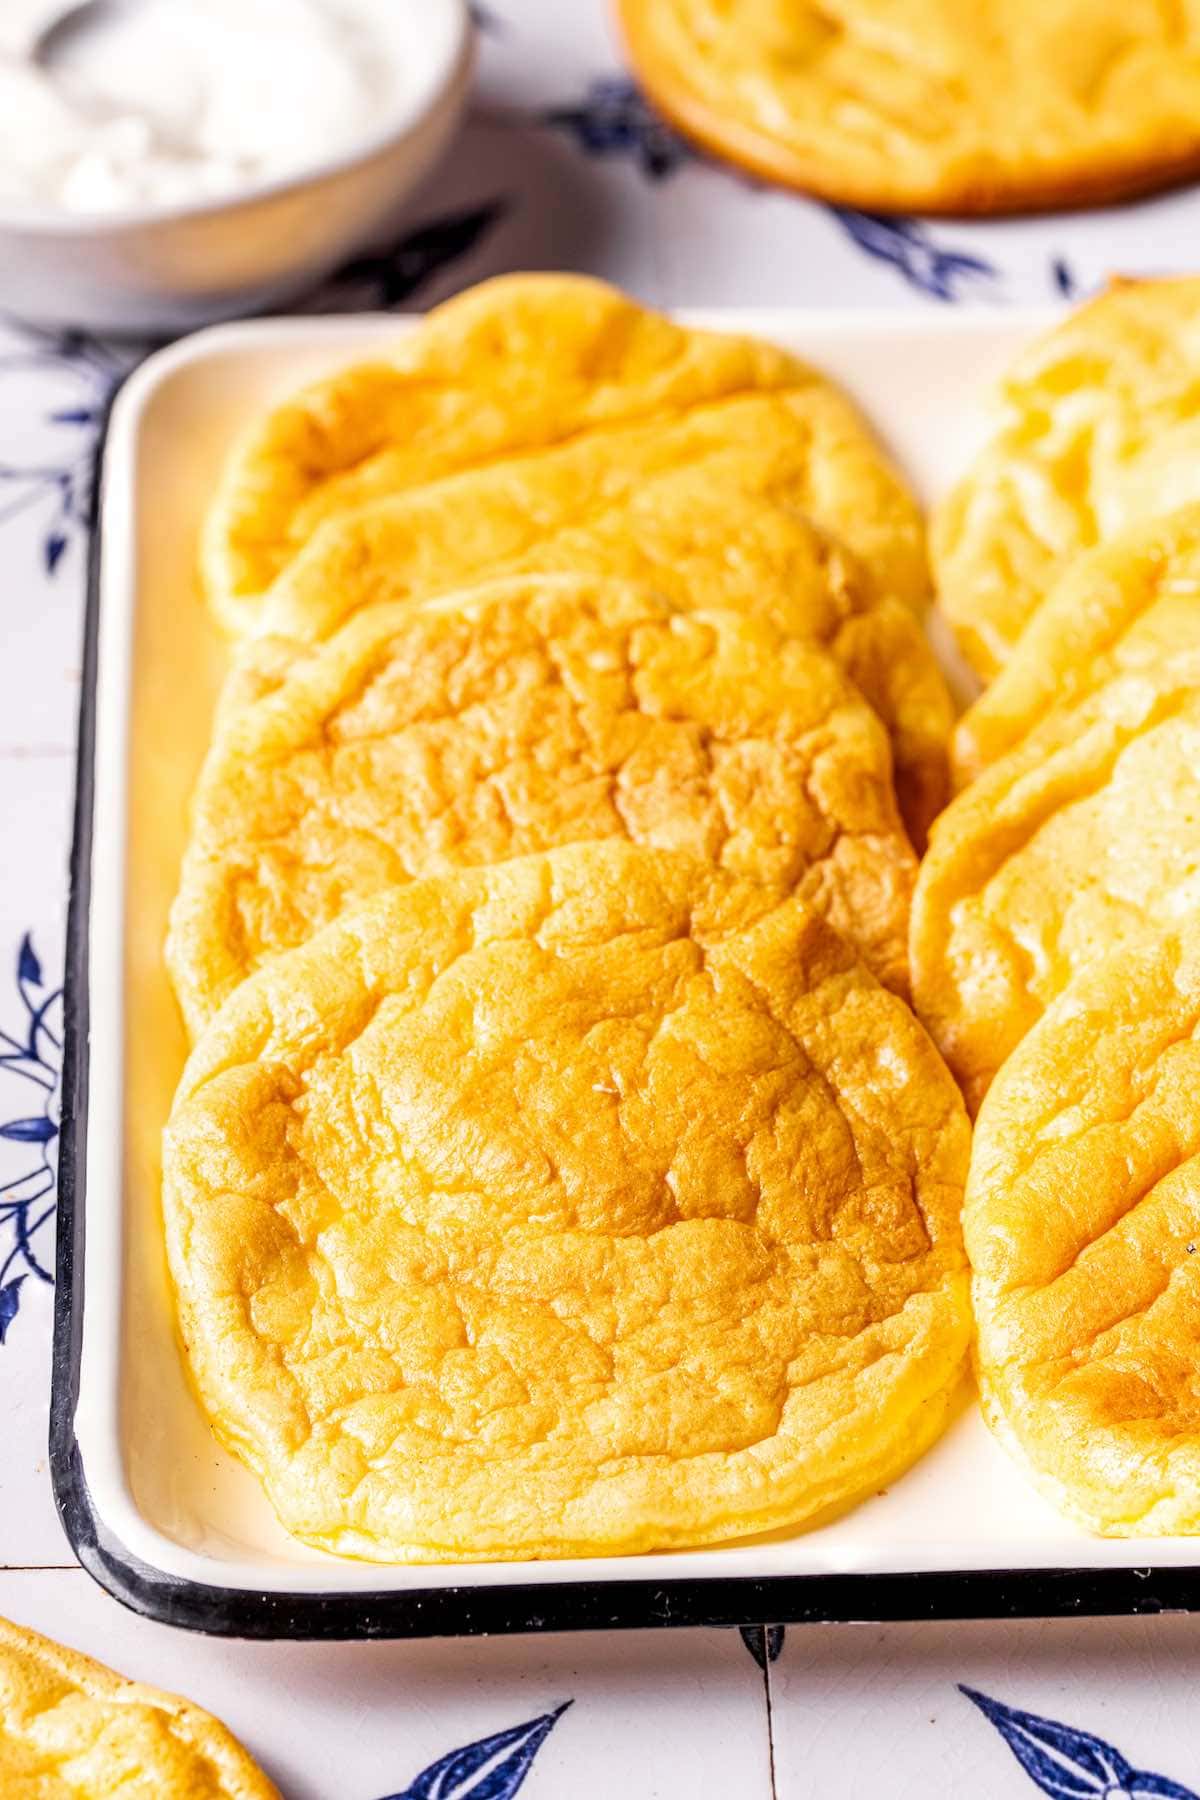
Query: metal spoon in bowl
x: 32, y: 30
x: 36, y: 33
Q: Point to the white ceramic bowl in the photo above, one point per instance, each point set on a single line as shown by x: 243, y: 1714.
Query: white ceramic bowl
x: 165, y: 269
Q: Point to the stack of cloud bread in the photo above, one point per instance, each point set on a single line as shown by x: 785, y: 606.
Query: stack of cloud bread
x: 559, y: 1168
x: 1055, y: 938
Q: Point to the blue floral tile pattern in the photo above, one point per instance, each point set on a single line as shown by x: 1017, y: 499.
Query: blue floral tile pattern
x: 389, y: 277
x: 492, y: 1768
x: 53, y: 467
x: 1070, y: 1764
x: 910, y: 247
x: 614, y: 119
x: 30, y: 1058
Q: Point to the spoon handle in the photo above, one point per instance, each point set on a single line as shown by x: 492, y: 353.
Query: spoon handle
x: 24, y: 24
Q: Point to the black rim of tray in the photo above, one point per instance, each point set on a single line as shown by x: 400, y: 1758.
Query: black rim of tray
x: 472, y: 1609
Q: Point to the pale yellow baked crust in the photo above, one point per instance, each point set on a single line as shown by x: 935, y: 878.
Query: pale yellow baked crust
x: 515, y: 367
x: 1082, y: 1220
x: 1126, y: 606
x: 533, y: 712
x: 70, y: 1729
x: 1084, y: 839
x: 935, y: 106
x: 1097, y: 428
x: 588, y: 1203
x: 712, y: 513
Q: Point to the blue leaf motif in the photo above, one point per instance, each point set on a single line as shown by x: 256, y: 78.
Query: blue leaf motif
x: 389, y: 277
x: 764, y: 1642
x: 1070, y: 1764
x: 28, y: 967
x: 29, y: 1131
x: 30, y: 1054
x: 614, y: 119
x: 910, y: 249
x: 10, y: 1300
x: 1063, y: 278
x: 492, y: 1768
x: 57, y: 477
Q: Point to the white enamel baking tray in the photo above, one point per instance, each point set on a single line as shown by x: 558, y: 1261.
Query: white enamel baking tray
x: 158, y: 1513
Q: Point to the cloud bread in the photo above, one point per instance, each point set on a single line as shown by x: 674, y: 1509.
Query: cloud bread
x: 931, y: 105
x: 1082, y: 1220
x: 1051, y: 859
x: 1098, y: 427
x: 520, y: 365
x: 534, y: 712
x: 593, y: 1202
x: 710, y: 514
x: 1127, y: 605
x: 70, y: 1729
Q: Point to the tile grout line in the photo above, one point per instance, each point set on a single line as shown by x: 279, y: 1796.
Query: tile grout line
x: 39, y: 1568
x: 770, y: 1715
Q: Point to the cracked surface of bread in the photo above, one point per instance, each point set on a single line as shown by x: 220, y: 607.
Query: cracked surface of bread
x: 1097, y: 429
x: 593, y: 1202
x: 71, y: 1729
x: 520, y: 365
x: 1126, y: 606
x: 530, y: 713
x: 712, y: 513
x: 1084, y: 838
x: 1082, y: 1220
x: 961, y: 106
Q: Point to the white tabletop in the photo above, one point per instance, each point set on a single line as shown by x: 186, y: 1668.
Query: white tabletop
x: 560, y: 165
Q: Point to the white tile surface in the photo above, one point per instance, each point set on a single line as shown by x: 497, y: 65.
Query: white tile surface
x: 651, y: 1718
x: 882, y: 1704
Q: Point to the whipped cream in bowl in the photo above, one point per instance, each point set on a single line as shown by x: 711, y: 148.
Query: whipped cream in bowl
x: 166, y: 102
x: 235, y: 148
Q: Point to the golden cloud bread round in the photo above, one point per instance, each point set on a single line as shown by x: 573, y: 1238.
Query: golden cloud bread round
x: 1126, y: 606
x: 515, y: 367
x: 534, y: 712
x: 591, y: 1203
x: 709, y: 514
x: 1082, y: 1220
x: 1096, y: 429
x: 70, y: 1729
x: 1084, y: 838
x: 958, y: 106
